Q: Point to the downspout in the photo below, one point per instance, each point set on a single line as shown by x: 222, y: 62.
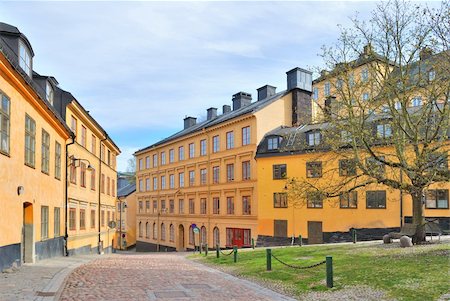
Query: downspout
x: 401, y: 199
x: 100, y: 192
x: 66, y: 236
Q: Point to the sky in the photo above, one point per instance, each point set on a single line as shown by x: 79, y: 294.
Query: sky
x: 140, y: 68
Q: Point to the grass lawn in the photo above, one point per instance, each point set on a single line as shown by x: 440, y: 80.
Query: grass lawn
x: 417, y: 273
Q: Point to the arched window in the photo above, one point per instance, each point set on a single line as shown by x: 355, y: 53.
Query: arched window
x: 147, y: 230
x: 155, y: 231
x: 171, y: 233
x: 140, y: 229
x: 191, y: 235
x: 203, y: 236
x: 163, y: 231
x: 216, y: 236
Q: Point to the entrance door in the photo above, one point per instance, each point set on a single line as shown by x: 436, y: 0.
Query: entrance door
x: 315, y: 234
x: 238, y: 237
x: 181, y: 238
x: 27, y: 233
x: 280, y: 228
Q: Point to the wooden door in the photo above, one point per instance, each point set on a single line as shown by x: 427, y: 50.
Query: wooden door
x: 315, y: 234
x: 280, y: 228
x: 238, y: 237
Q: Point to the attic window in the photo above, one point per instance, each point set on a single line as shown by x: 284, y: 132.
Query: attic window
x: 313, y: 138
x: 49, y: 93
x: 25, y: 58
x: 273, y: 143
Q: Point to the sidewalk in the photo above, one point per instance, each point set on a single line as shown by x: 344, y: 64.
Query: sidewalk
x: 42, y: 280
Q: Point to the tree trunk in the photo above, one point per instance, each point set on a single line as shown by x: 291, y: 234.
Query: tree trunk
x: 418, y: 218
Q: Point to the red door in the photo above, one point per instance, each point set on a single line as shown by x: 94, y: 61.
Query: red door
x: 238, y: 237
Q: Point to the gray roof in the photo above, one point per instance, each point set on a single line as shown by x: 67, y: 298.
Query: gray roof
x: 251, y: 108
x: 126, y: 191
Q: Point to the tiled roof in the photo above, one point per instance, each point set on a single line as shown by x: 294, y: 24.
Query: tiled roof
x: 126, y: 191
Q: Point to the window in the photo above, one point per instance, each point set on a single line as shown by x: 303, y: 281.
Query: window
x: 92, y: 179
x: 203, y: 235
x: 273, y: 143
x: 141, y: 164
x: 431, y: 75
x: 155, y: 231
x: 93, y: 144
x: 73, y: 174
x: 181, y: 206
x: 141, y: 206
x: 216, y: 146
x: 279, y: 171
x: 163, y: 182
x: 30, y: 141
x: 44, y: 222
x: 191, y: 150
x: 246, y: 135
x: 346, y: 136
x: 216, y: 174
x: 374, y: 166
x: 4, y: 123
x: 45, y: 168
x: 280, y: 200
x: 147, y: 230
x: 348, y: 199
x: 230, y: 205
x: 83, y: 174
x: 313, y: 138
x: 72, y: 219
x: 181, y: 179
x: 147, y: 184
x: 229, y: 236
x: 203, y: 147
x: 347, y: 167
x: 147, y: 162
x: 216, y: 206
x: 140, y: 229
x: 171, y: 233
x: 416, y: 101
x: 155, y: 160
x: 181, y: 153
x: 203, y: 176
x: 102, y: 219
x: 191, y: 235
x: 49, y: 93
x: 82, y: 219
x: 92, y: 218
x: 384, y: 130
x: 315, y: 93
x: 102, y: 184
x: 314, y: 169
x: 230, y: 140
x: 56, y: 222
x: 351, y: 80
x: 155, y: 183
x: 25, y: 58
x: 339, y: 83
x: 203, y: 206
x: 436, y: 199
x: 230, y: 172
x: 314, y: 199
x: 191, y: 178
x: 141, y: 185
x: 216, y: 236
x: 398, y: 105
x: 73, y: 125
x: 364, y: 75
x: 365, y: 96
x: 376, y: 199
x: 57, y: 160
x: 155, y: 206
x: 147, y: 206
x: 163, y: 231
x: 163, y: 158
x: 191, y: 206
x: 83, y: 136
x: 246, y: 205
x: 163, y: 205
x: 171, y: 156
x: 171, y: 206
x: 326, y: 89
x: 246, y: 170
x: 171, y: 181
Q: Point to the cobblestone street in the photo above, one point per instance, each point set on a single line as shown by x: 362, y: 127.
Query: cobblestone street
x: 158, y: 277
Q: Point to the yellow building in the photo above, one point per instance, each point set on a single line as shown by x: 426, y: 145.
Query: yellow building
x: 32, y: 152
x: 126, y: 217
x: 204, y: 176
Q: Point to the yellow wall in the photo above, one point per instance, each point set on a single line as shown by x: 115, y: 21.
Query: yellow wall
x: 129, y: 221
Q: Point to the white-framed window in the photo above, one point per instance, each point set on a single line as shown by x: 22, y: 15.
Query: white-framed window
x: 44, y: 222
x: 171, y: 181
x: 203, y: 147
x: 4, y: 123
x: 181, y: 153
x: 326, y: 89
x: 147, y: 184
x: 155, y: 160
x: 163, y: 182
x: 141, y: 185
x: 431, y: 75
x: 191, y: 150
x: 315, y: 94
x: 216, y: 145
x: 339, y: 83
x: 45, y: 152
x: 246, y: 135
x: 230, y: 140
x: 384, y: 130
x: 365, y: 96
x: 191, y: 178
x: 398, y: 105
x: 313, y: 138
x: 25, y: 58
x: 181, y: 179
x: 49, y: 93
x: 171, y: 155
x: 272, y: 143
x: 147, y: 162
x: 163, y: 158
x: 346, y: 136
x: 30, y: 141
x: 155, y: 183
x: 365, y: 75
x: 416, y: 101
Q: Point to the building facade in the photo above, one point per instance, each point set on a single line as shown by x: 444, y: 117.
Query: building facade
x: 204, y: 177
x: 126, y: 217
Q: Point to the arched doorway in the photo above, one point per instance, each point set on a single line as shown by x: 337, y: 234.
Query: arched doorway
x: 181, y: 238
x: 28, y: 233
x: 216, y: 236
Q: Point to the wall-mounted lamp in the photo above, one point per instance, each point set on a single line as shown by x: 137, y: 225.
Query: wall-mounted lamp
x: 73, y: 160
x: 20, y: 190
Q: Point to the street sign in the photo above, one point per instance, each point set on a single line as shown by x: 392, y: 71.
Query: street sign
x: 196, y: 230
x: 194, y: 226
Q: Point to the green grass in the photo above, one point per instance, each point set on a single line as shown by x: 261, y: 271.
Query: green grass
x: 417, y: 273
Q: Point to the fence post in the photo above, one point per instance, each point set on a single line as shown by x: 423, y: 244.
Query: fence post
x: 300, y: 242
x: 329, y: 263
x: 235, y: 254
x: 200, y: 248
x: 354, y: 236
x: 269, y: 259
x: 217, y: 251
x: 206, y: 249
x: 253, y: 243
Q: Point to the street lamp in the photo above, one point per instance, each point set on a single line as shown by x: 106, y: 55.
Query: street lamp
x: 121, y: 207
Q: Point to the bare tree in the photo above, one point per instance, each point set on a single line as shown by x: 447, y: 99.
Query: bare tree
x: 388, y: 110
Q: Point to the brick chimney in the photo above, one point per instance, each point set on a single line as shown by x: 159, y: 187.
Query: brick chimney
x: 241, y: 100
x: 299, y: 78
x: 189, y: 121
x: 299, y: 82
x: 266, y: 91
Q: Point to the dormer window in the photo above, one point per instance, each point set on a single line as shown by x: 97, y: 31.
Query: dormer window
x: 273, y: 143
x: 25, y: 58
x: 313, y: 138
x: 416, y: 101
x: 49, y: 93
x: 384, y: 130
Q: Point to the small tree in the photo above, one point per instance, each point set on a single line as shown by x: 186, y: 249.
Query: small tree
x: 388, y: 113
x: 131, y: 171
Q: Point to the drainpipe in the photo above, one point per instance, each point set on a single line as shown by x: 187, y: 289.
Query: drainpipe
x: 100, y: 192
x: 401, y: 200
x: 66, y: 236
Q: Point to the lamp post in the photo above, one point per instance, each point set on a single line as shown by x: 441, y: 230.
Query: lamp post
x: 121, y: 207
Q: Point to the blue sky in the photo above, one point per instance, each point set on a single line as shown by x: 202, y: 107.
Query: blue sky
x: 141, y: 67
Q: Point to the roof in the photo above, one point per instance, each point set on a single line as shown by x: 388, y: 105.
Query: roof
x: 251, y: 108
x: 12, y: 30
x: 126, y: 191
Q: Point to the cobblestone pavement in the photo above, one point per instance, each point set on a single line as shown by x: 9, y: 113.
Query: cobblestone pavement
x: 158, y: 277
x: 39, y: 281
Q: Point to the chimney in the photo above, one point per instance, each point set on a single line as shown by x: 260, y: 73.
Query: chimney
x: 211, y: 113
x: 331, y: 108
x: 425, y: 53
x: 299, y: 78
x: 241, y: 100
x: 266, y: 91
x: 226, y: 109
x: 324, y: 72
x: 189, y: 121
x: 367, y: 50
